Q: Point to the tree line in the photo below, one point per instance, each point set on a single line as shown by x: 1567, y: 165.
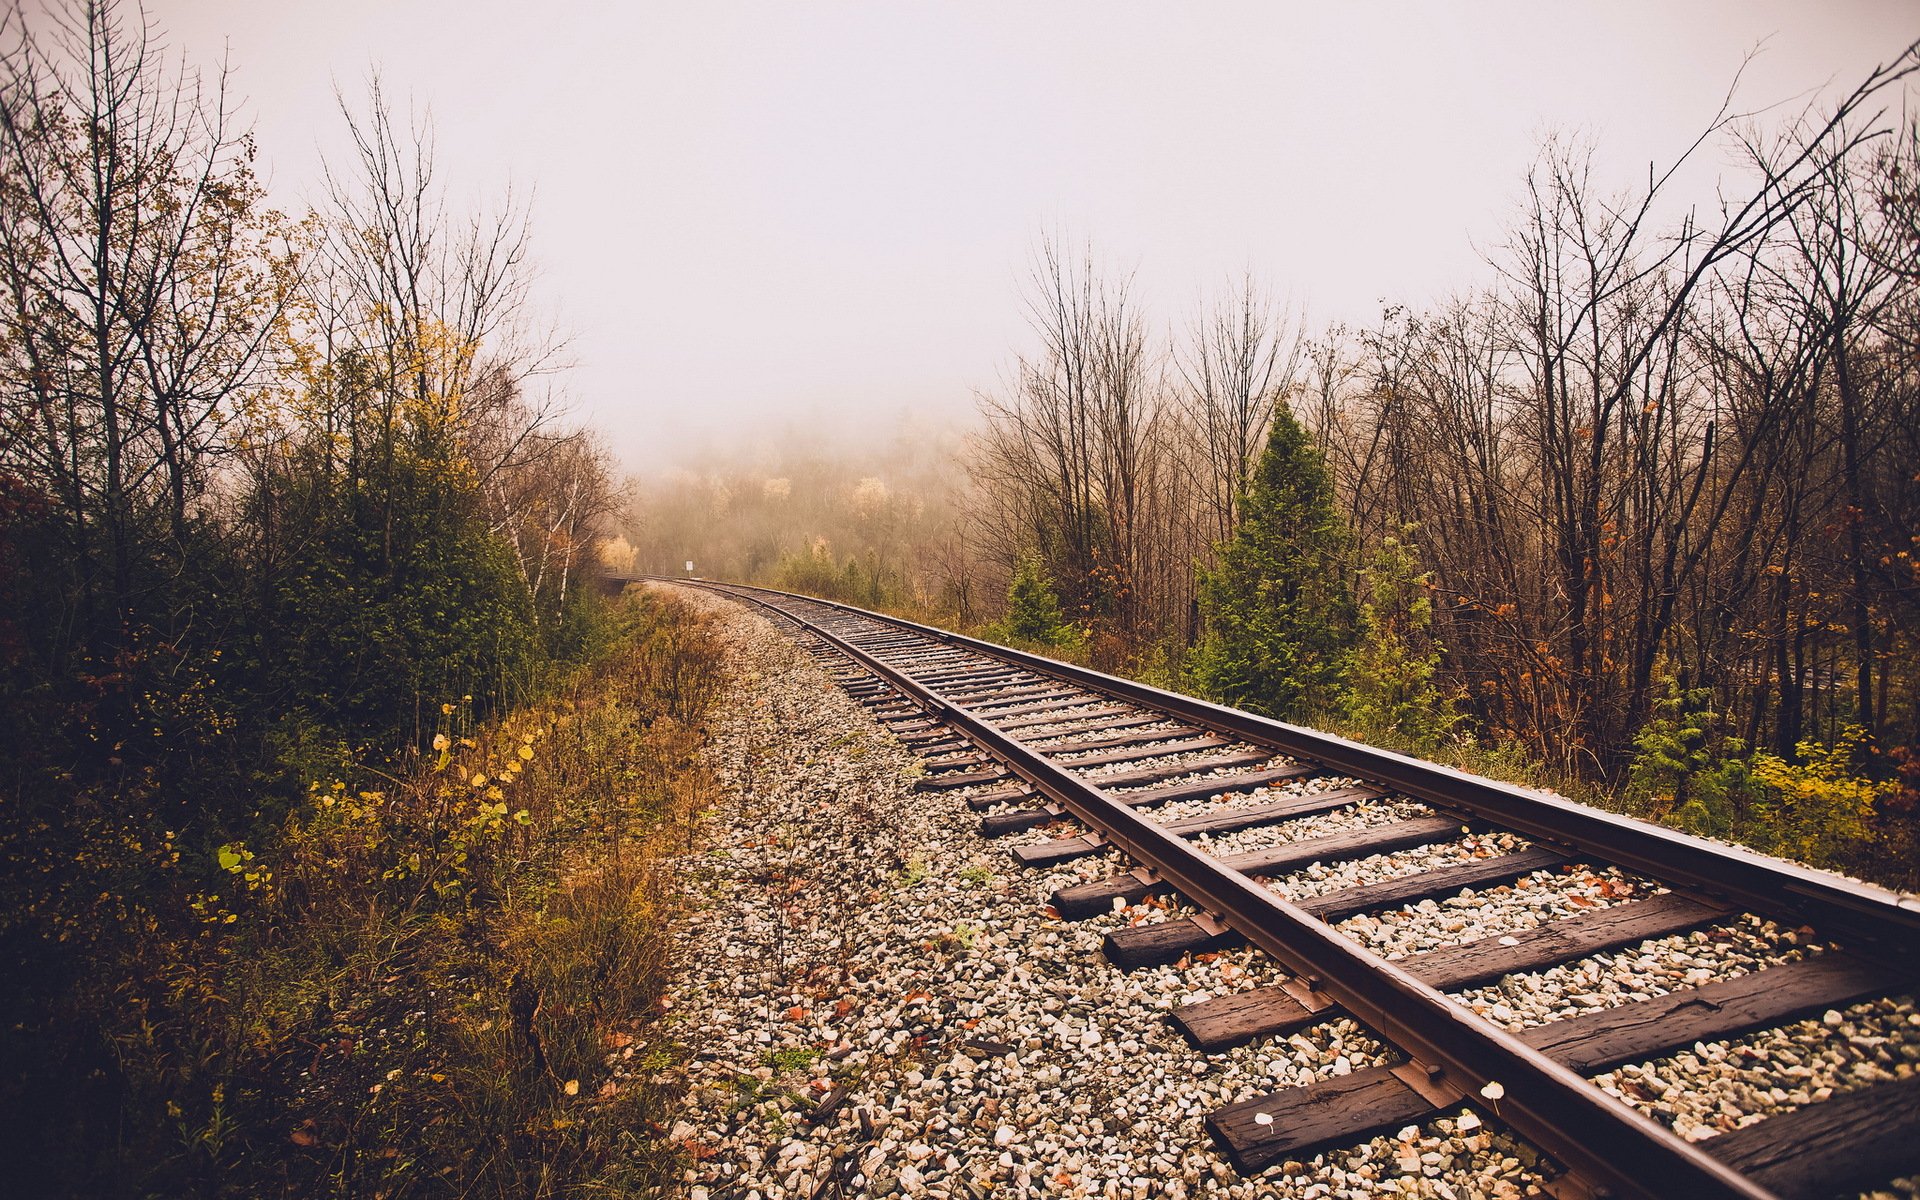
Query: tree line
x: 277, y: 492
x: 1641, y: 508
x: 866, y: 520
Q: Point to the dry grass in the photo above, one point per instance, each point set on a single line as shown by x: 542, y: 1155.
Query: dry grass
x: 419, y: 985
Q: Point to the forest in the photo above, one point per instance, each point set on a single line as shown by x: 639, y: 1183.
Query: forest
x: 1634, y: 516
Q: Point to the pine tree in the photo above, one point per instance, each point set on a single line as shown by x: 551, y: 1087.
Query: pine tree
x: 1390, y: 689
x: 1278, y: 616
x: 1033, y: 608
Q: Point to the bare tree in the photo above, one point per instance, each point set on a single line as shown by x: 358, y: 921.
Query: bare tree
x: 1240, y: 357
x: 1070, y: 448
x: 141, y: 282
x: 417, y: 289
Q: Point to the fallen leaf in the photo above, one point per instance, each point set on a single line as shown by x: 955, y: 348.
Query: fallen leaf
x: 572, y: 1088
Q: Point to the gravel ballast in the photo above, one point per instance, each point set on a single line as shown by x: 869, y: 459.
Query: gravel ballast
x: 876, y: 1001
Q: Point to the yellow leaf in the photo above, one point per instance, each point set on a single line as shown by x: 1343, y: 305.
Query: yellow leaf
x: 573, y: 1087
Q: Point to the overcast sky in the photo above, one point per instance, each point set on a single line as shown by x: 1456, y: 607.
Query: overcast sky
x: 756, y: 217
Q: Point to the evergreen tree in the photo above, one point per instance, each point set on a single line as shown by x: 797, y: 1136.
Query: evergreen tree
x: 1033, y: 607
x: 395, y: 595
x: 1390, y: 686
x: 1687, y: 770
x: 1278, y: 616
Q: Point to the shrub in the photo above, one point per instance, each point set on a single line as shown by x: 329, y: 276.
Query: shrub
x: 1686, y: 771
x: 1390, y: 686
x: 1820, y: 809
x: 415, y: 980
x: 1033, y: 615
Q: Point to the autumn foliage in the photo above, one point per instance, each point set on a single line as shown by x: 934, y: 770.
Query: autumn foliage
x: 273, y: 517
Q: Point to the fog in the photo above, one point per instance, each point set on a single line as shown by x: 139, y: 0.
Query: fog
x: 755, y: 218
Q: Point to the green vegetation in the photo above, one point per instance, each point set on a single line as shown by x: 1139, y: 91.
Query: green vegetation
x: 1279, y: 621
x: 863, y: 583
x: 1034, y: 620
x: 397, y: 589
x: 1685, y: 767
x: 797, y: 1058
x: 294, y: 666
x: 913, y: 873
x: 1818, y: 807
x: 410, y: 982
x: 1390, y: 686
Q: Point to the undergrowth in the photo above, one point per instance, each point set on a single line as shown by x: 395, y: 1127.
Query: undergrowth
x: 417, y: 983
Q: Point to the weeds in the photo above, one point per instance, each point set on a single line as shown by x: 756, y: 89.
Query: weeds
x: 440, y: 981
x: 797, y: 1058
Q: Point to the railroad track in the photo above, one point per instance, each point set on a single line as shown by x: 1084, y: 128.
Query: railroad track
x: 1160, y: 777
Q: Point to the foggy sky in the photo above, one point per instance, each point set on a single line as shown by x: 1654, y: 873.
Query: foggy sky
x: 760, y: 216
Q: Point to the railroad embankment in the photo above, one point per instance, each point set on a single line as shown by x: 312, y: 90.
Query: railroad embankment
x: 879, y: 999
x: 878, y: 1002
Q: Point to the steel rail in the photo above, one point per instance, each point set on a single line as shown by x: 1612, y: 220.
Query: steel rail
x: 1869, y: 921
x: 1599, y: 1140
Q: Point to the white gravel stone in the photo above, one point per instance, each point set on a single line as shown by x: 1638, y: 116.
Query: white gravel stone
x: 859, y: 939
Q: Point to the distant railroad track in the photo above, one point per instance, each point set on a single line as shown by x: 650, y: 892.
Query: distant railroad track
x: 1037, y: 742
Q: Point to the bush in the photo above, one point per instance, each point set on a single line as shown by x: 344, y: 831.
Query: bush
x: 1824, y: 809
x: 415, y: 980
x: 1390, y: 688
x: 398, y: 595
x: 817, y: 573
x: 1820, y: 809
x: 1686, y: 771
x: 1033, y: 619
